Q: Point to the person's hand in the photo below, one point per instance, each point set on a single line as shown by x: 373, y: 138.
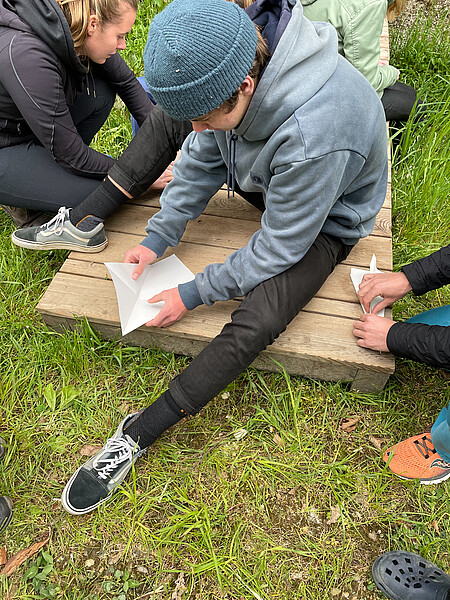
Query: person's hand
x: 172, y: 311
x: 163, y: 180
x: 142, y: 256
x: 372, y: 332
x: 390, y: 286
x: 166, y: 177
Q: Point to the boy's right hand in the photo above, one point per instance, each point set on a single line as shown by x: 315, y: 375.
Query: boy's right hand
x: 390, y: 286
x: 142, y: 256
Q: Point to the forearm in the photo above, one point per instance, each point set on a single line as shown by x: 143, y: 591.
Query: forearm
x: 428, y: 344
x: 119, y: 74
x: 429, y: 273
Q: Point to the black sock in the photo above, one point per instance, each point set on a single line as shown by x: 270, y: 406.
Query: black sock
x: 154, y: 420
x: 101, y: 203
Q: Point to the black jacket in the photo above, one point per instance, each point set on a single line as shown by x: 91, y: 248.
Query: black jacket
x: 40, y: 78
x: 429, y: 344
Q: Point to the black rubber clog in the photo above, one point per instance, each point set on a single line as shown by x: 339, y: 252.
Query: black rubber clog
x: 407, y: 576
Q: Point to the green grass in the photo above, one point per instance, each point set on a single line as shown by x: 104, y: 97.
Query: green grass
x: 237, y: 502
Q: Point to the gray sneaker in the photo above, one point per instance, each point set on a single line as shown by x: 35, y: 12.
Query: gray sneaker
x: 96, y: 481
x: 60, y: 234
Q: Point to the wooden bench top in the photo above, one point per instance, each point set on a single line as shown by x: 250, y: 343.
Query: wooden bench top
x: 318, y: 343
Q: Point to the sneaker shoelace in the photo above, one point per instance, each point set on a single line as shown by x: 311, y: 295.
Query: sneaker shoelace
x: 422, y: 447
x: 121, y: 452
x: 57, y: 223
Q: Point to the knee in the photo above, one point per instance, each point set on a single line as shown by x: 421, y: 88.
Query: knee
x: 256, y: 328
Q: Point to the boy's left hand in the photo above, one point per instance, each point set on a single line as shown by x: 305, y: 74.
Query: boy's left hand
x: 172, y: 311
x: 372, y: 332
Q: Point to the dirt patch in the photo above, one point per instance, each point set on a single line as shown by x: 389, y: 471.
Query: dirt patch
x: 416, y: 8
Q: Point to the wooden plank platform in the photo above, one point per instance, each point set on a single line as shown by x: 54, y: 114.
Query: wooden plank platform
x: 319, y: 342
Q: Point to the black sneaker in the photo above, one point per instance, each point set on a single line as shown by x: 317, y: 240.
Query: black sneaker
x: 96, y: 481
x: 6, y: 512
x: 60, y: 234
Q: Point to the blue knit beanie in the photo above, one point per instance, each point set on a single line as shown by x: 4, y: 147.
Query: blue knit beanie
x: 198, y: 53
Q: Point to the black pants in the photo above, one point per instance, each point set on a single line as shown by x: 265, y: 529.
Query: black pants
x: 153, y: 148
x: 398, y: 102
x: 30, y: 177
x: 264, y: 313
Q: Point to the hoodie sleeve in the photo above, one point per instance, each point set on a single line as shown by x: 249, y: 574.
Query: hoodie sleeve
x: 429, y: 273
x: 198, y: 175
x: 35, y: 82
x: 118, y: 73
x: 361, y: 45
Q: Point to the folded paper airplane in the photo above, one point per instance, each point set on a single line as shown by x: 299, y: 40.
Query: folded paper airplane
x: 132, y: 295
x: 356, y: 276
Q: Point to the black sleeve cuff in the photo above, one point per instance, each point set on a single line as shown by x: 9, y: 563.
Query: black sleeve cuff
x: 427, y: 344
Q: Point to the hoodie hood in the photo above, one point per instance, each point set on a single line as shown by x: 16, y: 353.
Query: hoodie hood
x: 308, y: 56
x: 45, y: 19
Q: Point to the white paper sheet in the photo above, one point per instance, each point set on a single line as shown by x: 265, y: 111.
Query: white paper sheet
x: 132, y: 295
x: 356, y: 277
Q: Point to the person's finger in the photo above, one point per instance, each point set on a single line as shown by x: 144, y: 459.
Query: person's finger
x: 140, y: 268
x: 157, y: 298
x: 130, y: 257
x: 358, y: 325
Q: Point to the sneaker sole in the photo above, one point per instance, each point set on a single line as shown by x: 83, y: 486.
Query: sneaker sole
x: 83, y: 511
x: 426, y: 481
x: 9, y: 519
x: 57, y: 245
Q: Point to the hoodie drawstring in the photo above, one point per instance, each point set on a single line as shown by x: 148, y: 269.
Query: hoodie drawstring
x: 94, y: 91
x: 231, y: 176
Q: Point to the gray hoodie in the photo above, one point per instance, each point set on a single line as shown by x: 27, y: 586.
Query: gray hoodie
x: 40, y: 78
x: 312, y: 142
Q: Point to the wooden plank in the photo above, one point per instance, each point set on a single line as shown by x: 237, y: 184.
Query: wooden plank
x: 237, y: 208
x: 308, y: 334
x: 338, y: 286
x: 234, y: 233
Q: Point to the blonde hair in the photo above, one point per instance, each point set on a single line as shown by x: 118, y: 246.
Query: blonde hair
x: 243, y: 3
x: 77, y: 13
x: 394, y: 9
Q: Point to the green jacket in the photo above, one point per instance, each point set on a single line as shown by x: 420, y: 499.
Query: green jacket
x: 359, y: 24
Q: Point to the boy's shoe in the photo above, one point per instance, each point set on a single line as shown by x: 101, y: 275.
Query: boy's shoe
x: 60, y: 234
x: 96, y: 481
x: 6, y: 512
x: 408, y: 576
x: 417, y: 458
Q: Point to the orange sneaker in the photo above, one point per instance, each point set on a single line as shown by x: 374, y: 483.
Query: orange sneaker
x: 417, y: 458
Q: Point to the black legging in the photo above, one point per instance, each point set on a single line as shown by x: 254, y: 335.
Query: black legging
x: 398, y: 102
x: 30, y: 177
